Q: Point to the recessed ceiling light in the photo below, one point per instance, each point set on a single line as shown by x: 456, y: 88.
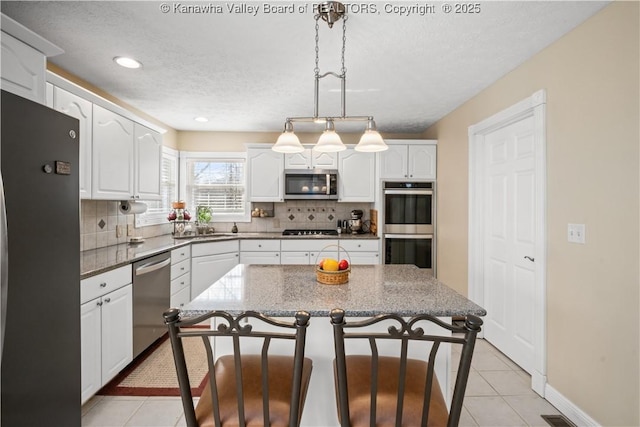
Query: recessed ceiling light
x: 123, y: 61
x: 201, y: 119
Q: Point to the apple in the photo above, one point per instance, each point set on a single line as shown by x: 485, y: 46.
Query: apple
x: 343, y: 264
x: 321, y: 263
x: 187, y: 216
x: 172, y: 216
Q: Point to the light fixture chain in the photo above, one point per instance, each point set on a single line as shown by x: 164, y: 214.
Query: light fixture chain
x: 317, y: 69
x: 344, y: 42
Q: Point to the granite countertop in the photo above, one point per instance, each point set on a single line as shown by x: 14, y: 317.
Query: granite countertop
x: 281, y: 290
x: 96, y: 261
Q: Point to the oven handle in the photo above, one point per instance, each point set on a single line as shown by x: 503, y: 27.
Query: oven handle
x: 328, y: 183
x: 409, y: 236
x: 419, y: 192
x: 152, y: 266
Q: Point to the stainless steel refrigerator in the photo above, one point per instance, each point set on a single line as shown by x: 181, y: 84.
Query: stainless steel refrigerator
x: 40, y: 270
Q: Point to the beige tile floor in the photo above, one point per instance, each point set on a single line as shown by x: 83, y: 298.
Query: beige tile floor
x: 498, y: 394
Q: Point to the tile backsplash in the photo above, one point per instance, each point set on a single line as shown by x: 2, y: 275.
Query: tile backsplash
x: 99, y: 219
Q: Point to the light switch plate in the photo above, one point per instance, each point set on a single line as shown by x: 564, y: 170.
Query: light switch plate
x: 576, y: 233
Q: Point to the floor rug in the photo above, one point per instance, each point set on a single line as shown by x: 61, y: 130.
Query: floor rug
x: 153, y: 372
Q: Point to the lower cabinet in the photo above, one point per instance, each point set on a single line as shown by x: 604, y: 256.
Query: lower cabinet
x: 306, y: 252
x: 362, y: 251
x: 106, y: 325
x: 260, y: 251
x: 209, y: 262
x: 180, y: 276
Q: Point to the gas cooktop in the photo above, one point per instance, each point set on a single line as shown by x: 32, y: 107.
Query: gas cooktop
x: 306, y: 232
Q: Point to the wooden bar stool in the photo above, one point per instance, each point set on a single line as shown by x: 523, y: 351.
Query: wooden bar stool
x: 268, y: 386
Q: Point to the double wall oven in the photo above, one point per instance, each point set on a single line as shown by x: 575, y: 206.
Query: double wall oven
x: 409, y: 224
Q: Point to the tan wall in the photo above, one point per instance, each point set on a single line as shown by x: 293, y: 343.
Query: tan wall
x: 234, y: 141
x: 592, y: 81
x: 169, y: 138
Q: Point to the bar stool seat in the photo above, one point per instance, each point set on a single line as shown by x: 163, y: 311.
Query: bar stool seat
x: 280, y: 378
x: 359, y: 386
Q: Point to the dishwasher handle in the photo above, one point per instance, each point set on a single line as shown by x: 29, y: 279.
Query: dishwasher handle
x: 152, y: 266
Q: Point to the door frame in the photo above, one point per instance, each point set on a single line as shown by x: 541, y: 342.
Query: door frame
x: 533, y: 106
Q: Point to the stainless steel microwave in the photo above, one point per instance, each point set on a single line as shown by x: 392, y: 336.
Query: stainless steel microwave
x: 310, y: 184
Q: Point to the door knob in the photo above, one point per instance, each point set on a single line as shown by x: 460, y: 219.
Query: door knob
x: 529, y: 258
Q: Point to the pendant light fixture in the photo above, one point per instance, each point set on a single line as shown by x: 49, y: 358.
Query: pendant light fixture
x: 371, y: 141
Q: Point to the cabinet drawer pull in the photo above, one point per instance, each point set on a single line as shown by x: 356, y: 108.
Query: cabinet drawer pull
x: 107, y: 300
x: 103, y: 284
x: 99, y: 303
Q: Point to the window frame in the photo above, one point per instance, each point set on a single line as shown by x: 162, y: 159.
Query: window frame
x: 201, y: 155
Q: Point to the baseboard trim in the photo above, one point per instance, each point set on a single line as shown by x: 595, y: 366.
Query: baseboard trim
x: 568, y: 408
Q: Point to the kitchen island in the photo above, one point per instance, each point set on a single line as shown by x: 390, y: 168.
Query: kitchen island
x: 281, y: 290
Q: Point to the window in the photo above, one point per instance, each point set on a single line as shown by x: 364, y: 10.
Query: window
x: 217, y: 181
x: 158, y: 210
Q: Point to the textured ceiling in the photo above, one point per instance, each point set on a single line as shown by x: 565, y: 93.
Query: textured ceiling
x: 248, y: 72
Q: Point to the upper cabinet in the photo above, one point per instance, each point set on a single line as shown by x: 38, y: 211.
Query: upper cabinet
x: 310, y: 159
x: 24, y: 57
x: 356, y: 176
x: 120, y: 155
x: 112, y: 156
x: 75, y: 106
x: 148, y: 163
x: 265, y: 174
x: 415, y: 159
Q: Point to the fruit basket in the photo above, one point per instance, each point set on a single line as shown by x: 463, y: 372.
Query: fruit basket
x: 337, y: 277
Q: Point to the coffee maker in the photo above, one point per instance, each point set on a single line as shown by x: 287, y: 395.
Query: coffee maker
x: 355, y: 223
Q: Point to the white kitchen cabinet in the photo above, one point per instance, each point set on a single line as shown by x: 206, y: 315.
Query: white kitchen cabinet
x: 210, y: 261
x: 106, y: 326
x: 357, y: 176
x: 113, y: 156
x: 307, y: 251
x: 413, y: 160
x: 148, y: 163
x: 180, y: 276
x: 75, y: 106
x: 260, y: 251
x: 362, y: 251
x: 117, y: 332
x: 265, y: 175
x: 310, y: 159
x: 24, y: 60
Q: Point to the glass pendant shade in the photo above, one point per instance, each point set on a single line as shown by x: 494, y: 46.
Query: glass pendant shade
x: 288, y: 142
x: 371, y: 141
x: 329, y: 141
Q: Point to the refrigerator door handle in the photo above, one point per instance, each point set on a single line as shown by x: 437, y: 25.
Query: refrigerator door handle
x: 4, y: 265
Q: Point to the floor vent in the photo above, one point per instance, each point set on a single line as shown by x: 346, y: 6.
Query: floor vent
x: 557, y: 421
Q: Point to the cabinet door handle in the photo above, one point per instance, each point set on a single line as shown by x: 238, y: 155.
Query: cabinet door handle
x: 103, y: 284
x: 107, y: 300
x: 259, y: 246
x: 99, y: 304
x: 529, y: 258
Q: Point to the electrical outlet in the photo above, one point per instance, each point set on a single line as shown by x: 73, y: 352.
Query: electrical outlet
x: 119, y: 230
x: 129, y: 230
x: 576, y: 233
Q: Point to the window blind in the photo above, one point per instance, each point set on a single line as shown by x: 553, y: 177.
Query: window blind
x: 216, y: 183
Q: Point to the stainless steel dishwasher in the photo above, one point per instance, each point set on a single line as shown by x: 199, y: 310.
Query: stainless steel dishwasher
x: 151, y: 297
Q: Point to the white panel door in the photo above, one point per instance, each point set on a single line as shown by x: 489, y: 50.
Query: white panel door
x: 22, y: 69
x: 112, y: 170
x: 74, y: 106
x: 206, y: 270
x: 357, y: 176
x: 148, y: 161
x: 422, y: 161
x: 117, y: 331
x: 90, y: 348
x: 265, y: 175
x: 393, y: 162
x: 510, y: 240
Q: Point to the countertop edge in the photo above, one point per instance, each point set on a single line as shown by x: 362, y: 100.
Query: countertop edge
x: 167, y: 243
